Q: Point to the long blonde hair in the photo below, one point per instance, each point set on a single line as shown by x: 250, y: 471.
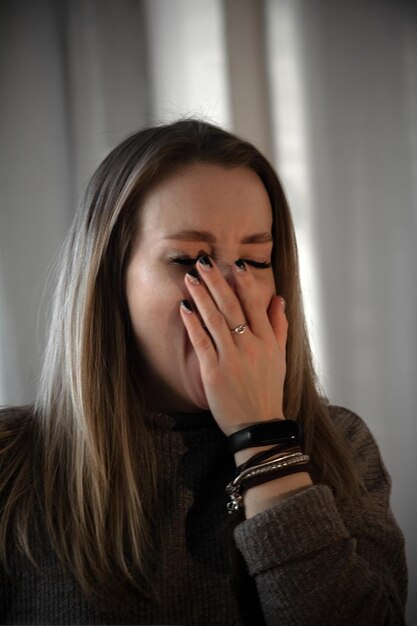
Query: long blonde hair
x: 84, y: 445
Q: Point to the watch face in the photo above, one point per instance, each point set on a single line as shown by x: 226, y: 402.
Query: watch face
x: 264, y: 433
x: 277, y: 430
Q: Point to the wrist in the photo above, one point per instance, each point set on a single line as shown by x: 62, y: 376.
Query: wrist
x: 262, y: 497
x: 244, y: 455
x: 266, y: 453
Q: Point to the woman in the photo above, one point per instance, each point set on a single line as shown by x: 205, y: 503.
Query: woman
x: 178, y: 353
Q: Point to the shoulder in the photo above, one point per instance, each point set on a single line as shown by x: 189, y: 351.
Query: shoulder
x: 349, y: 423
x: 363, y: 445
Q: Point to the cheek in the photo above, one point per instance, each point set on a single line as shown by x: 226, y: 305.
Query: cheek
x: 153, y: 301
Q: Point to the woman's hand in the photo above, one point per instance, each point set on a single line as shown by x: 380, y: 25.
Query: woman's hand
x: 242, y: 374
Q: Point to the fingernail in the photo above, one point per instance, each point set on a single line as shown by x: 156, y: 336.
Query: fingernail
x: 283, y: 303
x: 192, y: 276
x: 205, y: 262
x: 186, y: 306
x: 240, y: 265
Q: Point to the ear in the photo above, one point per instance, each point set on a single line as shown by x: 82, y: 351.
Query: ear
x: 278, y: 321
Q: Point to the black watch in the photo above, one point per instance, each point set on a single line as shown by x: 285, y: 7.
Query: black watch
x: 266, y: 433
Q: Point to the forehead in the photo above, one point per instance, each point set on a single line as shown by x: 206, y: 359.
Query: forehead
x: 208, y: 197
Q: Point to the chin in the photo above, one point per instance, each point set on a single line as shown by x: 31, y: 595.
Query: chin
x: 195, y: 393
x: 204, y: 405
x: 197, y: 398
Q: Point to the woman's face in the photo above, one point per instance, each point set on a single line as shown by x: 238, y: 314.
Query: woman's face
x: 202, y: 209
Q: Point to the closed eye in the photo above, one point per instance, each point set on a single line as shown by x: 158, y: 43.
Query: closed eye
x: 183, y: 260
x: 258, y: 264
x: 188, y: 261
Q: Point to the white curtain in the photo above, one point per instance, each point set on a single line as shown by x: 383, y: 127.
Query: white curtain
x: 328, y: 89
x: 343, y: 80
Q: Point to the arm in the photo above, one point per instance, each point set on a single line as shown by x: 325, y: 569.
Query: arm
x: 314, y: 561
x: 318, y: 562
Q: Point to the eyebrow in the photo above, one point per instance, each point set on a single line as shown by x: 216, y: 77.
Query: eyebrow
x: 204, y: 235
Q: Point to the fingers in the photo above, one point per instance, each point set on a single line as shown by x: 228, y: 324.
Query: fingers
x: 199, y: 338
x: 247, y: 306
x: 217, y: 305
x: 221, y: 309
x: 226, y: 301
x: 252, y: 303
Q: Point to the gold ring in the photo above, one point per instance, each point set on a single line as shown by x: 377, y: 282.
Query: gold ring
x: 239, y: 330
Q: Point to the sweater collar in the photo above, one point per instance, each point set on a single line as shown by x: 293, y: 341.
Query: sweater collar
x: 182, y: 421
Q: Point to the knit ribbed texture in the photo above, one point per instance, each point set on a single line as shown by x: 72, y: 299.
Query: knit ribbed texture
x: 316, y: 563
x: 313, y: 562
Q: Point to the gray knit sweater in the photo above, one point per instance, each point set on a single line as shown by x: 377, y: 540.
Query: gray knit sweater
x: 309, y: 560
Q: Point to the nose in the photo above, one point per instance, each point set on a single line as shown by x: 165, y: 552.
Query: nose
x: 227, y: 271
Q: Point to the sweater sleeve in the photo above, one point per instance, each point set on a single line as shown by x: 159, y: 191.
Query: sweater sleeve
x: 316, y: 562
